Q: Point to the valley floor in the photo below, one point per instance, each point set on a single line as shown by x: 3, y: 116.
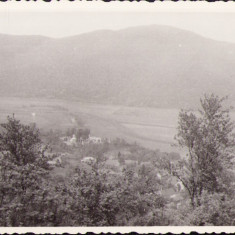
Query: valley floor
x: 150, y: 127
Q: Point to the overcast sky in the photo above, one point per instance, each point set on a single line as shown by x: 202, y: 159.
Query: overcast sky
x: 58, y: 20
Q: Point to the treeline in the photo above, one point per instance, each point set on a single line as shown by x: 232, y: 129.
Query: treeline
x: 80, y: 134
x: 94, y: 195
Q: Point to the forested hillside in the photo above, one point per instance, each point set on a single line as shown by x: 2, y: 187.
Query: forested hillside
x: 157, y: 66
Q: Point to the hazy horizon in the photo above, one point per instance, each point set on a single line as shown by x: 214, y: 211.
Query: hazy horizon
x: 58, y: 23
x: 109, y: 29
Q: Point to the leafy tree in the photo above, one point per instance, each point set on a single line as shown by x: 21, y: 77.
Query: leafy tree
x: 215, y: 209
x: 121, y: 159
x: 108, y: 198
x: 140, y: 200
x: 69, y: 132
x: 25, y: 195
x: 82, y: 134
x: 95, y: 190
x: 21, y: 143
x: 209, y: 140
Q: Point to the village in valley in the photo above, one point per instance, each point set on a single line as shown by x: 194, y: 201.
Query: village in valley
x: 116, y: 118
x: 86, y: 172
x: 80, y: 148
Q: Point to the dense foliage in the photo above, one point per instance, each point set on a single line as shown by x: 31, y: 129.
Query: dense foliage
x: 125, y: 184
x: 23, y: 175
x: 207, y: 172
x: 92, y: 196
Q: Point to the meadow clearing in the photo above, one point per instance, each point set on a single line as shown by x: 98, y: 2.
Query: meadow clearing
x: 150, y: 127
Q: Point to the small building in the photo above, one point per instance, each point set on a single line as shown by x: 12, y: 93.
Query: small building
x: 73, y: 140
x: 69, y: 141
x: 56, y: 161
x: 95, y: 140
x: 159, y: 176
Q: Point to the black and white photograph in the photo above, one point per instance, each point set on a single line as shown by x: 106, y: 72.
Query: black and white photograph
x: 117, y: 115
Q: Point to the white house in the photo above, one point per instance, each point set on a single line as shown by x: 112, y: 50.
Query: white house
x: 95, y: 140
x: 159, y: 176
x: 55, y: 161
x: 73, y: 140
x: 69, y: 141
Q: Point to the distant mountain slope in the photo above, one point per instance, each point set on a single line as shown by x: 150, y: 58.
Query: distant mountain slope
x: 157, y: 66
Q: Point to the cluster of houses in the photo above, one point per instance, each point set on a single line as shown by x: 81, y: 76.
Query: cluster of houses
x: 73, y: 141
x: 59, y: 160
x: 170, y: 187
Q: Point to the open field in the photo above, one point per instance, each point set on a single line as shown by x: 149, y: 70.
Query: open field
x: 150, y: 127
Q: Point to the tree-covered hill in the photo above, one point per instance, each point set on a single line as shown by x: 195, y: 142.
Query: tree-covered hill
x: 158, y: 66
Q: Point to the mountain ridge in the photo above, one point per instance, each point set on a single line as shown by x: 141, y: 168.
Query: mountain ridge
x: 156, y: 66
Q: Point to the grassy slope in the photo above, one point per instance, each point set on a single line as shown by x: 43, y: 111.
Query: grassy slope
x: 152, y: 128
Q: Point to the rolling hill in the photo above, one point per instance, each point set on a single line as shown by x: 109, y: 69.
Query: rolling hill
x: 158, y: 66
